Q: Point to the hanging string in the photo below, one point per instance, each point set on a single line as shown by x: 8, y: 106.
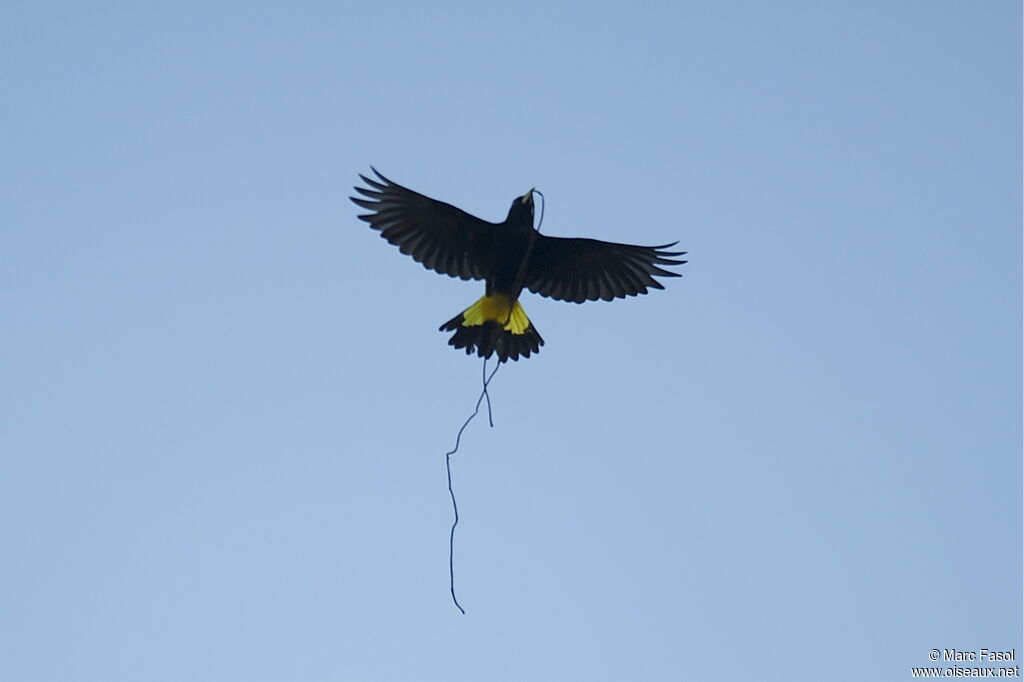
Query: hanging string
x: 448, y: 464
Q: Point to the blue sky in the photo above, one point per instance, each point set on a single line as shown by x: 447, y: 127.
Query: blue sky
x: 225, y: 404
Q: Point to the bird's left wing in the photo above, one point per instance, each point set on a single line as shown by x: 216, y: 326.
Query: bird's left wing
x: 579, y: 270
x: 443, y: 238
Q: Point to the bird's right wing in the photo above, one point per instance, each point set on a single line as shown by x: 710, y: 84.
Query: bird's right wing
x: 579, y: 270
x: 443, y: 238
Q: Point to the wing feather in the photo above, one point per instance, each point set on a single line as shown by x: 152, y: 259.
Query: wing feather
x: 579, y: 270
x: 440, y: 236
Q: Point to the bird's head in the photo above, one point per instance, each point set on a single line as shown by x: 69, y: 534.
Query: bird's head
x: 522, y: 209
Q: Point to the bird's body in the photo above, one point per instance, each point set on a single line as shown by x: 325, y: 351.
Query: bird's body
x: 509, y: 257
x: 497, y: 322
x: 510, y: 249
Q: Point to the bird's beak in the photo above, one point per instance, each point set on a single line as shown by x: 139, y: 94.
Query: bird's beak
x: 528, y: 197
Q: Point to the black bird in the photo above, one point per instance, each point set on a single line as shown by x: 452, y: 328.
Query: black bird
x: 509, y: 257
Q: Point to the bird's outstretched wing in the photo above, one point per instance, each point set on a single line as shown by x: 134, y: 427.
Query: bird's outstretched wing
x: 579, y: 270
x: 443, y: 238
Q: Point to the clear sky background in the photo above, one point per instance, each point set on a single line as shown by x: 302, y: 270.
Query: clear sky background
x: 224, y: 401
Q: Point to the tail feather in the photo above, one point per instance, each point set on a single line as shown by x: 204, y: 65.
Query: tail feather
x: 492, y: 325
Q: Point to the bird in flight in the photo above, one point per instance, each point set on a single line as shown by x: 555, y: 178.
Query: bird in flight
x: 509, y: 256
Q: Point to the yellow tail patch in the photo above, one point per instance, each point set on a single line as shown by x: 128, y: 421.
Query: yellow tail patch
x: 497, y: 308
